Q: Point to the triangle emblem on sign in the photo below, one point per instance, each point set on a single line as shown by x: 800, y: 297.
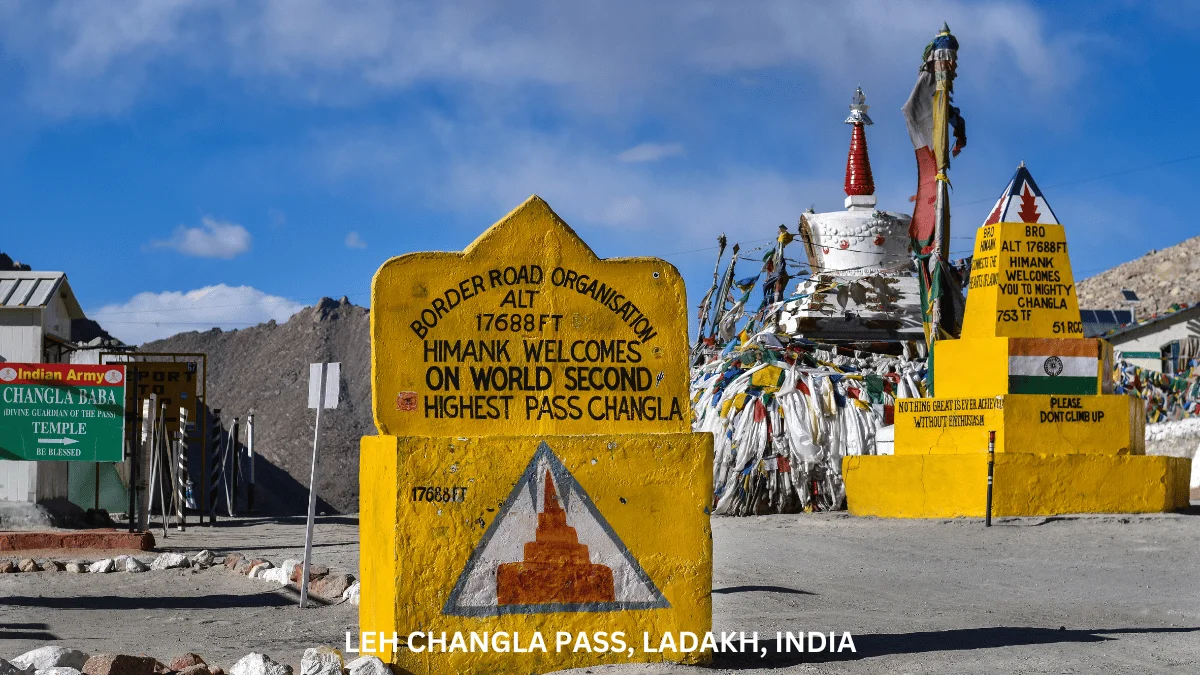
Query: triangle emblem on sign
x: 550, y: 550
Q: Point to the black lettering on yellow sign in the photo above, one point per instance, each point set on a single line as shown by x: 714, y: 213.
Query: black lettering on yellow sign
x: 947, y: 421
x: 1059, y: 416
x: 920, y: 405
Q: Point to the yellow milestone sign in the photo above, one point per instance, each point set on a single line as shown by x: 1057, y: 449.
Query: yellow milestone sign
x: 1021, y: 283
x: 1064, y: 442
x: 548, y: 553
x: 527, y: 331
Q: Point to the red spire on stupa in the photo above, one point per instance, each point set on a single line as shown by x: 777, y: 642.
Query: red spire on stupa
x: 859, y: 181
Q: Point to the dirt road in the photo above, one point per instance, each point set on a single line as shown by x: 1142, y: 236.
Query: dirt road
x: 1088, y: 594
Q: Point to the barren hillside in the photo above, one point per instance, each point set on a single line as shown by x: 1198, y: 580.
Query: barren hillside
x: 1159, y: 278
x: 266, y: 368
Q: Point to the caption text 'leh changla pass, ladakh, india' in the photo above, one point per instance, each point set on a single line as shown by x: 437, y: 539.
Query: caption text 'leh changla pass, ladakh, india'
x: 390, y: 339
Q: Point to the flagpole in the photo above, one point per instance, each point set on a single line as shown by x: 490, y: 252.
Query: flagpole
x: 945, y: 58
x: 706, y: 304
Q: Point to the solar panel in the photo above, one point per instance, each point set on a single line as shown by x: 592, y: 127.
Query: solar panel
x: 1129, y: 295
x: 1105, y: 316
x: 1087, y: 315
x: 1124, y: 316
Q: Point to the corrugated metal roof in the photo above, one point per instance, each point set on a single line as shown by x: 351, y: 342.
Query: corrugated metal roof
x: 28, y: 289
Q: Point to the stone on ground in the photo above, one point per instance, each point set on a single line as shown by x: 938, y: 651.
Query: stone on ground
x: 78, y: 567
x: 330, y: 586
x: 367, y: 665
x: 187, y: 660
x: 314, y: 571
x: 54, y: 566
x: 204, y: 558
x: 257, y: 664
x: 198, y: 669
x: 102, y: 566
x: 351, y: 593
x: 51, y: 657
x: 28, y: 565
x: 8, y: 567
x: 169, y: 561
x: 233, y: 559
x: 277, y: 575
x: 257, y: 571
x: 7, y: 668
x: 290, y: 566
x: 119, y: 664
x: 321, y: 661
x: 134, y: 565
x: 58, y: 670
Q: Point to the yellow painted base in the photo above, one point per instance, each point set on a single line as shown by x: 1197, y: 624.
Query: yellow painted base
x: 1026, y: 484
x: 421, y: 558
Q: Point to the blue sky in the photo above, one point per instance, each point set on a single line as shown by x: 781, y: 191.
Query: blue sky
x: 193, y: 163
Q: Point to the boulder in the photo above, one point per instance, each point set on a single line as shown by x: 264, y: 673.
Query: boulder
x: 169, y: 561
x: 243, y: 566
x: 54, y: 566
x: 134, y: 565
x: 330, y: 586
x: 321, y: 661
x: 367, y: 665
x: 187, y: 660
x: 351, y: 593
x: 198, y: 669
x: 51, y: 657
x: 102, y: 566
x: 216, y: 670
x: 204, y: 558
x: 119, y: 664
x: 28, y: 565
x: 7, y: 668
x: 233, y: 559
x: 257, y: 664
x: 78, y: 566
x: 8, y: 567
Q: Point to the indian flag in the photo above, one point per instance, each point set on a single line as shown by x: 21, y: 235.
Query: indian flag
x: 1053, y: 366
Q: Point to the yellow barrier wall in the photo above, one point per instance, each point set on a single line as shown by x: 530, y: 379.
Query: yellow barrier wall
x: 1026, y: 484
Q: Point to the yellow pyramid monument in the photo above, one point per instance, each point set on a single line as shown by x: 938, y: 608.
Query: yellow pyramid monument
x: 1064, y: 443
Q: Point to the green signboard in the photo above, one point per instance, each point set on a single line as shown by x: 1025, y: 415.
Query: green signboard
x: 53, y: 411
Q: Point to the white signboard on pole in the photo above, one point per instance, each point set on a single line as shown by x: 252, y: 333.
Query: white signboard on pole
x: 323, y: 386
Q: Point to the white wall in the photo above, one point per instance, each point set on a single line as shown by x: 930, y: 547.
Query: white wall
x: 1153, y: 337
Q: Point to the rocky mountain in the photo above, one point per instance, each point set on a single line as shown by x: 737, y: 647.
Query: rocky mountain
x: 265, y: 369
x: 1160, y: 278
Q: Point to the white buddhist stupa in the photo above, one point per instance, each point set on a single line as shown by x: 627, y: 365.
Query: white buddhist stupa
x: 862, y: 286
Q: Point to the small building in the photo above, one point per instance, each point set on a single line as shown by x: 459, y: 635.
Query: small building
x: 1167, y: 342
x: 40, y: 321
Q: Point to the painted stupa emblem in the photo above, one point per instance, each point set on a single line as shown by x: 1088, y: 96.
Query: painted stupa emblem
x: 549, y: 549
x: 556, y: 567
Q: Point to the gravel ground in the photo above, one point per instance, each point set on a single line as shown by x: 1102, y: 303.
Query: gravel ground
x: 1114, y: 594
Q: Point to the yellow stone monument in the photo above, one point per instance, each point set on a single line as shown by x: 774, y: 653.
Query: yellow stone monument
x: 1064, y: 443
x: 536, y: 500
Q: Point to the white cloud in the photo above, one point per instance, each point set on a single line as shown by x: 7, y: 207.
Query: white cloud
x: 152, y: 316
x: 87, y: 57
x: 353, y: 240
x: 650, y: 152
x: 213, y: 239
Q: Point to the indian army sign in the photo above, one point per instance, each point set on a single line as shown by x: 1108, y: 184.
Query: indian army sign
x: 62, y: 412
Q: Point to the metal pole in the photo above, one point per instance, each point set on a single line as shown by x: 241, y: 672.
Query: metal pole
x: 987, y: 521
x: 250, y: 456
x: 312, y: 492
